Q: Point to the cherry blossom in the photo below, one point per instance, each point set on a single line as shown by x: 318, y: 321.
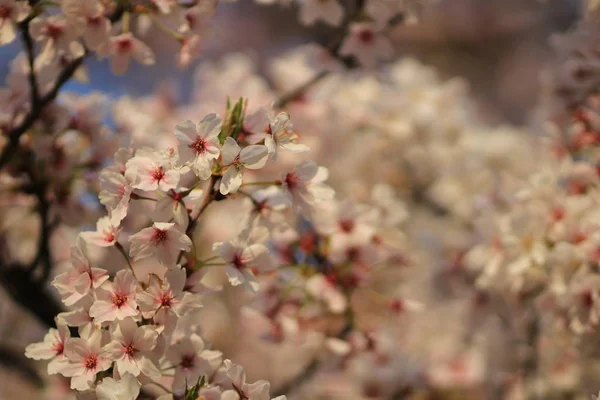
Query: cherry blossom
x: 237, y: 159
x: 150, y: 171
x: 115, y: 195
x: 121, y: 49
x: 165, y: 300
x: 366, y: 44
x: 131, y: 346
x: 304, y: 186
x: 89, y: 15
x: 244, y: 260
x: 56, y: 34
x: 199, y: 144
x: 75, y: 283
x: 174, y: 206
x: 52, y: 348
x: 127, y: 388
x: 258, y: 390
x: 280, y: 136
x: 162, y: 240
x: 86, y: 359
x: 11, y: 12
x: 191, y: 360
x: 106, y: 233
x: 116, y: 300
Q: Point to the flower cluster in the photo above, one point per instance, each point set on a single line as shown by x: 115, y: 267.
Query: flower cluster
x: 133, y: 324
x: 68, y: 29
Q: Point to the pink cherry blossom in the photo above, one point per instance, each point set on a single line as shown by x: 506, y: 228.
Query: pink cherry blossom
x: 80, y: 277
x: 116, y: 300
x: 126, y: 388
x: 90, y: 21
x: 258, y: 390
x: 165, y: 301
x: 52, y: 348
x: 251, y: 157
x: 191, y: 48
x: 86, y: 360
x: 106, y: 233
x: 366, y: 44
x: 151, y: 171
x: 244, y: 260
x: 304, y: 186
x: 115, y: 195
x: 121, y: 49
x: 191, y: 360
x: 280, y: 136
x: 199, y: 144
x: 11, y: 12
x: 162, y: 240
x: 56, y: 34
x: 131, y: 346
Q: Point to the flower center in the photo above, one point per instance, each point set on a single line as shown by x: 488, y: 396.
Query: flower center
x: 124, y: 45
x: 160, y: 236
x: 238, y: 261
x: 366, y: 36
x: 91, y: 361
x: 291, y: 180
x: 58, y: 348
x: 109, y: 236
x: 119, y: 300
x: 187, y: 362
x: 54, y: 31
x: 347, y: 225
x: 158, y: 174
x: 130, y: 350
x: 199, y: 146
x: 166, y: 300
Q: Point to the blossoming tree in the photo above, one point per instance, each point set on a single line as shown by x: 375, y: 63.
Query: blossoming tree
x: 197, y: 251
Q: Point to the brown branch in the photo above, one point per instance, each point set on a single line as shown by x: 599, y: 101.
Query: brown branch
x: 294, y: 94
x: 29, y: 48
x: 210, y: 196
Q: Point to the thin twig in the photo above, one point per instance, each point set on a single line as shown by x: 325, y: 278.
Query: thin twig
x: 299, y: 91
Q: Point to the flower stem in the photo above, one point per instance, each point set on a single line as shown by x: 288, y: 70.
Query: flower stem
x: 119, y: 247
x: 161, y: 386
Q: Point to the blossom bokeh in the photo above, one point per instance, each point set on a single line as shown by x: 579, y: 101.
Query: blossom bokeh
x: 311, y: 199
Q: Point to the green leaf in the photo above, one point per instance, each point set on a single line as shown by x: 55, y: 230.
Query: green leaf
x: 192, y: 393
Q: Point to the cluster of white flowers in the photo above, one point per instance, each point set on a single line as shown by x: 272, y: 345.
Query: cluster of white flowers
x: 132, y: 326
x: 68, y: 29
x: 449, y: 241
